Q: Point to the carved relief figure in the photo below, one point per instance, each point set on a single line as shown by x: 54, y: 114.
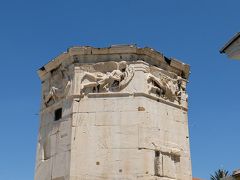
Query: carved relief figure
x: 182, y: 95
x: 163, y: 87
x: 167, y: 88
x: 115, y: 80
x: 59, y: 85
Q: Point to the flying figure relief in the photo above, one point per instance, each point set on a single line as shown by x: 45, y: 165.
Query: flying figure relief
x: 163, y: 87
x: 115, y: 80
x: 59, y: 86
x: 182, y: 94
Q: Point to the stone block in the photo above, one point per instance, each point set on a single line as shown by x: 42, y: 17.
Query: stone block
x: 61, y: 165
x: 44, y: 170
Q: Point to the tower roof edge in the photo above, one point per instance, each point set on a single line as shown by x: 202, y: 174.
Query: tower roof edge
x: 157, y: 58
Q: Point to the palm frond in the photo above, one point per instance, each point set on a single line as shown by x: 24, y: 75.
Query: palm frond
x: 220, y: 173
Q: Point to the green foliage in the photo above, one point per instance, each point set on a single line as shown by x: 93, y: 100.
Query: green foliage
x: 220, y: 173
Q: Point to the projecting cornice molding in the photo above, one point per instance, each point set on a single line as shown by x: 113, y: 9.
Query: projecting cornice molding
x: 87, y: 54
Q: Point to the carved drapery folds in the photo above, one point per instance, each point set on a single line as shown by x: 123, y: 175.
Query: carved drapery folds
x: 58, y: 85
x: 114, y: 76
x: 167, y: 88
x: 111, y: 76
x: 107, y: 77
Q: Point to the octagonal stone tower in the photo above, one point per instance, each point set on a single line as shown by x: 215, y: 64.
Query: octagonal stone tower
x: 113, y: 113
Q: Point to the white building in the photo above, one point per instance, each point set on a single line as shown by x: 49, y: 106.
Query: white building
x: 113, y: 113
x: 232, y: 47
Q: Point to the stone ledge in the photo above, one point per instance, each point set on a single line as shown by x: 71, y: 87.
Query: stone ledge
x: 159, y: 100
x: 156, y: 57
x: 116, y: 94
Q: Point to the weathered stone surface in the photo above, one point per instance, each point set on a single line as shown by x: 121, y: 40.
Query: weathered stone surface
x: 113, y: 113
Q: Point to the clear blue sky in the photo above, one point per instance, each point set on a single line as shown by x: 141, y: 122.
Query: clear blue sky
x: 33, y: 32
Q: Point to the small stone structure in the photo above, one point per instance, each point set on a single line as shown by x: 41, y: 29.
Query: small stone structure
x: 117, y: 113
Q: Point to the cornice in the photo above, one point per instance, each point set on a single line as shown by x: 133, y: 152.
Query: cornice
x: 147, y: 54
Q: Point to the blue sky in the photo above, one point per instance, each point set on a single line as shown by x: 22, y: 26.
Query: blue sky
x: 33, y: 32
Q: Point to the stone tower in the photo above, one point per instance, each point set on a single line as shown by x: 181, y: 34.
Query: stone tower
x: 117, y: 113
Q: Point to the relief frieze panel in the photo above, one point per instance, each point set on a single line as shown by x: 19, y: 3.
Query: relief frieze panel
x: 107, y: 77
x: 166, y: 87
x: 113, y: 76
x: 57, y: 86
